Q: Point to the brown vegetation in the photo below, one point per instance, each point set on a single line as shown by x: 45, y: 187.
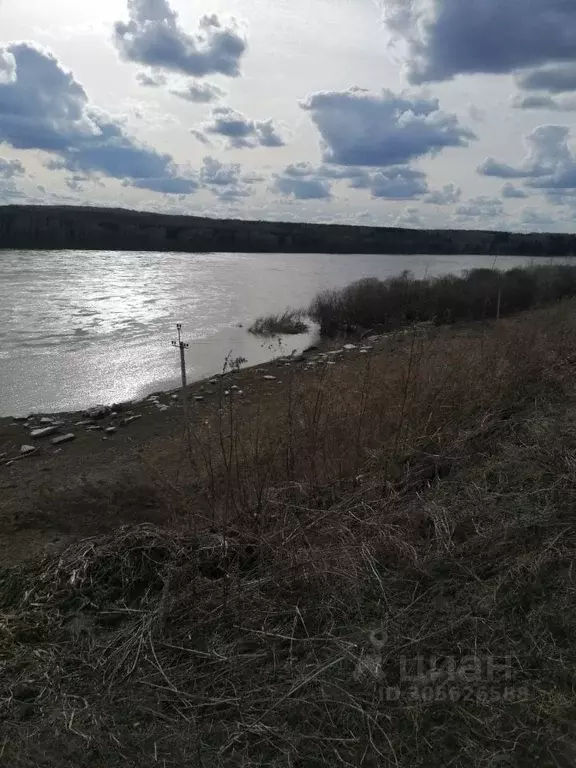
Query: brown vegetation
x: 290, y: 322
x: 480, y: 294
x: 412, y: 503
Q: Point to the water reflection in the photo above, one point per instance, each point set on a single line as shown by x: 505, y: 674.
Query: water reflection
x: 78, y: 328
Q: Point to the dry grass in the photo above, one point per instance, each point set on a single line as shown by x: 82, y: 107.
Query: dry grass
x: 410, y: 505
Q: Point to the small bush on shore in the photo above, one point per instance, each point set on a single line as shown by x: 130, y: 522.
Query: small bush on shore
x: 479, y: 294
x: 289, y: 322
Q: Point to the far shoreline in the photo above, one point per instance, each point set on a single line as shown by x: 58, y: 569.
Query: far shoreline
x: 38, y: 227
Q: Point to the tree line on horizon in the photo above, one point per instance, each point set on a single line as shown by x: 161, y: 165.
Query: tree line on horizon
x: 43, y: 227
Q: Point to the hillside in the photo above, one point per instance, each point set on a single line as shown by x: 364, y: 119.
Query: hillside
x: 45, y: 227
x: 367, y: 559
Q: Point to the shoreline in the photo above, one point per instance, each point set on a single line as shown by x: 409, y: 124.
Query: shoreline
x: 109, y: 421
x: 137, y: 442
x: 314, y: 340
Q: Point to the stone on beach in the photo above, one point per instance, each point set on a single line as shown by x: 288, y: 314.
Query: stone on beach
x: 269, y: 378
x: 99, y: 412
x: 130, y: 419
x: 63, y: 439
x: 27, y: 449
x: 44, y: 431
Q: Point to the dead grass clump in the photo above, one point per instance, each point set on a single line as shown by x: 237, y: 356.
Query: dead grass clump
x: 290, y: 322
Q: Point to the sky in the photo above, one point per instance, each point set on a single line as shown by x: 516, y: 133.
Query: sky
x: 414, y: 113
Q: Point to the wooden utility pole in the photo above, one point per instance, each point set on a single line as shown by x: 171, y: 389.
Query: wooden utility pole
x: 182, y: 346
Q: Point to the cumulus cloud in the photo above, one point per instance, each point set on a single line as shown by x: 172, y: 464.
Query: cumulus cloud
x: 302, y: 182
x: 153, y: 37
x: 450, y: 194
x: 240, y: 131
x: 491, y: 167
x: 561, y: 197
x: 549, y: 165
x: 150, y: 79
x: 536, y: 220
x: 555, y: 78
x: 9, y: 171
x: 394, y: 183
x: 544, y: 101
x: 225, y: 180
x: 410, y: 217
x: 360, y: 128
x: 75, y: 183
x: 511, y: 192
x: 481, y: 207
x: 476, y: 114
x: 200, y: 136
x: 7, y: 67
x: 199, y: 93
x: 10, y: 168
x: 445, y: 38
x: 45, y: 108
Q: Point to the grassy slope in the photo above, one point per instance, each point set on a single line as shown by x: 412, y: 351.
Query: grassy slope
x: 414, y: 503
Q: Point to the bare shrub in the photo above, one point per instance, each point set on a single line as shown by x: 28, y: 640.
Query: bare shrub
x: 478, y: 295
x: 290, y: 322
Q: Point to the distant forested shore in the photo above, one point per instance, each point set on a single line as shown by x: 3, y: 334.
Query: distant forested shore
x: 85, y: 228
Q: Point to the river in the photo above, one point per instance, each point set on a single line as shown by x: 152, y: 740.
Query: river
x: 78, y: 328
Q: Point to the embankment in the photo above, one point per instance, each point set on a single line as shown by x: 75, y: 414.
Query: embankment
x: 367, y: 559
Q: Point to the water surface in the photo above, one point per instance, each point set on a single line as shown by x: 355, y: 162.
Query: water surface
x: 84, y: 327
